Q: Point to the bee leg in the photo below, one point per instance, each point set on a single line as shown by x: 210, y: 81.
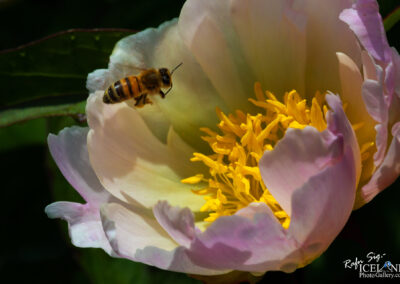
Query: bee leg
x: 138, y: 101
x: 146, y: 100
x: 162, y: 94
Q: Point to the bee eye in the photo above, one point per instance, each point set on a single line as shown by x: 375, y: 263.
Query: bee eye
x: 166, y: 79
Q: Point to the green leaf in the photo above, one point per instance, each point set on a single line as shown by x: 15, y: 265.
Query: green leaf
x: 391, y: 19
x: 25, y: 134
x: 48, y: 77
x: 9, y: 117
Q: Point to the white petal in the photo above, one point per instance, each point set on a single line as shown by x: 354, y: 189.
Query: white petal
x: 131, y: 162
x: 131, y: 229
x: 272, y: 36
x: 323, y: 29
x: 192, y: 100
x: 351, y: 82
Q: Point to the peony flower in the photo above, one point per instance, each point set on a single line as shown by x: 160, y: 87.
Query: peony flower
x: 281, y: 120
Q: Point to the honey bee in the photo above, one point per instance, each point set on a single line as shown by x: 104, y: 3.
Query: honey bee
x: 148, y: 82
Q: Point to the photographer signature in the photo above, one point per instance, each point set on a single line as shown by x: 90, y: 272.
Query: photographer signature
x: 371, y: 256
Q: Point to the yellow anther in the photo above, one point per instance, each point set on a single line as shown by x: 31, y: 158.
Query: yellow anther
x: 267, y: 130
x: 208, y: 131
x: 194, y: 179
x: 203, y: 191
x: 292, y: 109
x: 221, y: 148
x: 259, y: 92
x: 296, y: 124
x: 270, y: 96
x: 230, y: 126
x: 358, y: 126
x: 265, y: 105
x: 253, y: 171
x: 218, y: 167
x: 367, y: 150
x: 278, y: 106
x: 226, y: 139
x: 317, y: 118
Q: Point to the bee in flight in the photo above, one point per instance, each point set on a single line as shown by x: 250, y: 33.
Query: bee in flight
x: 148, y: 82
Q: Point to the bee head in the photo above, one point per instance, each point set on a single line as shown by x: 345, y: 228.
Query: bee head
x: 165, y: 77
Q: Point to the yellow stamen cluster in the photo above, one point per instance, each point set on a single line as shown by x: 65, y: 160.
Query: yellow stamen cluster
x: 235, y: 180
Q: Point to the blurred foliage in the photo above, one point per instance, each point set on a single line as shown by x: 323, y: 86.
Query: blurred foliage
x: 38, y: 249
x: 48, y: 77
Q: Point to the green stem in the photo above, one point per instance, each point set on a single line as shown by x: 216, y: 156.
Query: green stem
x: 391, y: 19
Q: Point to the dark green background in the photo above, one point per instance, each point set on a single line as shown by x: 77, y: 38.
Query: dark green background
x: 37, y: 250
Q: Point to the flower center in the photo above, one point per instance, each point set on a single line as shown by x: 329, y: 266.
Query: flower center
x: 234, y: 179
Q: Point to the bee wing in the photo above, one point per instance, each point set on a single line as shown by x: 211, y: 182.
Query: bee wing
x: 124, y: 66
x: 121, y: 70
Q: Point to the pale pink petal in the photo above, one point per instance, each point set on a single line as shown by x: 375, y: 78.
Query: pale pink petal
x: 251, y: 240
x: 392, y: 77
x: 252, y: 209
x: 70, y: 153
x: 370, y: 70
x: 302, y: 154
x: 135, y: 234
x: 372, y: 92
x: 376, y: 104
x: 338, y: 124
x: 84, y: 224
x: 126, y: 157
x: 253, y: 244
x: 295, y: 159
x: 321, y: 201
x: 331, y: 192
x: 374, y: 100
x: 388, y: 171
x: 366, y: 22
x: 179, y: 223
x: 322, y: 206
x: 390, y: 72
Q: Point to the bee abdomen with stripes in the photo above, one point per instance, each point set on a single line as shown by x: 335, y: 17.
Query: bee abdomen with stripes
x: 122, y: 90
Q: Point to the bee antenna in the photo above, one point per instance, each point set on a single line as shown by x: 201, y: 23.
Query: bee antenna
x: 173, y: 70
x: 177, y: 66
x: 168, y: 89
